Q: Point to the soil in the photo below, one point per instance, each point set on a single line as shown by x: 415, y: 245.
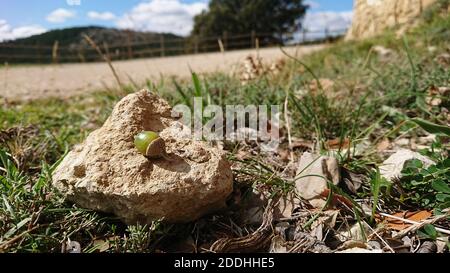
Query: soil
x: 31, y: 82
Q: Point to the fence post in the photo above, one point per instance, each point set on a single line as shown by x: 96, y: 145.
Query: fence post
x: 38, y: 48
x: 304, y: 35
x: 163, y: 53
x: 196, y: 44
x: 221, y: 47
x: 55, y: 52
x: 130, y: 49
x: 225, y: 40
x: 253, y: 37
x: 81, y: 56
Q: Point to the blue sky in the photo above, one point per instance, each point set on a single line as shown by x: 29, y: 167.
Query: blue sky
x: 19, y: 18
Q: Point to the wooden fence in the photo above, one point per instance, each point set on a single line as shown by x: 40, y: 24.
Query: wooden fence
x: 159, y: 47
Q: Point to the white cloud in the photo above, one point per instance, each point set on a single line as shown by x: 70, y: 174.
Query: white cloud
x: 312, y: 4
x: 60, y: 15
x: 9, y: 33
x: 104, y: 16
x: 162, y: 16
x: 331, y: 20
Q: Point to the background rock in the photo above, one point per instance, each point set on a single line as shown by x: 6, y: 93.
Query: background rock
x: 106, y: 172
x: 372, y: 17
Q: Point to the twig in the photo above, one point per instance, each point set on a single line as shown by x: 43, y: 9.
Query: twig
x: 105, y: 58
x: 374, y: 232
x: 288, y: 127
x: 252, y: 242
x: 5, y: 245
x: 6, y: 75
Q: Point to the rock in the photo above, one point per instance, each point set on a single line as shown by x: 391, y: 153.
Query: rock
x: 372, y: 17
x: 312, y: 174
x: 358, y: 232
x: 428, y: 247
x: 393, y: 166
x: 106, y: 173
x: 383, y: 53
x: 374, y: 244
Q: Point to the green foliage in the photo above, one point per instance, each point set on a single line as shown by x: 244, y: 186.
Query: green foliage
x: 432, y: 128
x: 243, y: 16
x: 427, y: 187
x: 428, y: 232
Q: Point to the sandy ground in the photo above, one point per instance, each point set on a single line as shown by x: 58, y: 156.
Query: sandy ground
x: 34, y: 82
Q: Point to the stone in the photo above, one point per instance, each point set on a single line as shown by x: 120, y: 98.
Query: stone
x: 312, y: 175
x: 393, y: 166
x: 384, y: 54
x: 372, y: 17
x: 106, y: 172
x: 358, y: 232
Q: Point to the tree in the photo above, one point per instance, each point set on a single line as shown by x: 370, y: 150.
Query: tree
x: 273, y: 17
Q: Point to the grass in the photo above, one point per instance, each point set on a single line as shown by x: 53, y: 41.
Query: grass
x: 371, y: 100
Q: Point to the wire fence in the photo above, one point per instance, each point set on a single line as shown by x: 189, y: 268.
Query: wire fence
x: 159, y: 47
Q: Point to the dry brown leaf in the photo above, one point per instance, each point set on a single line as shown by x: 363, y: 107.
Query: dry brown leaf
x: 243, y: 155
x: 337, y: 143
x: 383, y: 145
x: 398, y: 225
x: 337, y: 199
x: 327, y: 85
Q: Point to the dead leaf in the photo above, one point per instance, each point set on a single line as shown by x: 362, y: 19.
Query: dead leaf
x: 443, y: 59
x: 338, y: 143
x: 337, y: 199
x: 301, y: 144
x: 326, y: 219
x: 398, y: 225
x: 243, y: 155
x: 352, y: 180
x: 313, y: 173
x: 434, y: 97
x: 383, y: 145
x: 285, y: 206
x: 327, y: 85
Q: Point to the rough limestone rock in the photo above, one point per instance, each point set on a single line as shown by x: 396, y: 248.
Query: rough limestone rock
x: 372, y: 17
x: 313, y: 173
x: 106, y: 172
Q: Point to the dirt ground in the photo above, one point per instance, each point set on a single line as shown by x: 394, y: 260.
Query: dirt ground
x: 65, y: 80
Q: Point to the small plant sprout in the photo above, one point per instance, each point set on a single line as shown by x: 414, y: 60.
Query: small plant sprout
x: 151, y: 145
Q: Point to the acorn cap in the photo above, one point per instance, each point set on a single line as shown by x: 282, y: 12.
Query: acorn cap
x: 157, y: 149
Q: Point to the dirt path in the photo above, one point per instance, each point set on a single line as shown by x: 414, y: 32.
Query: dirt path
x: 34, y: 82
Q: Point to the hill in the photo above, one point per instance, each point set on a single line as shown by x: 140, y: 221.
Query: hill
x: 72, y: 45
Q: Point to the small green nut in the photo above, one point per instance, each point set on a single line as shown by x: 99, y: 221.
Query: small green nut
x: 151, y: 145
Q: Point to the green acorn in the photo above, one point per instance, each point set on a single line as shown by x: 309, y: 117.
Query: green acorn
x: 151, y: 145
